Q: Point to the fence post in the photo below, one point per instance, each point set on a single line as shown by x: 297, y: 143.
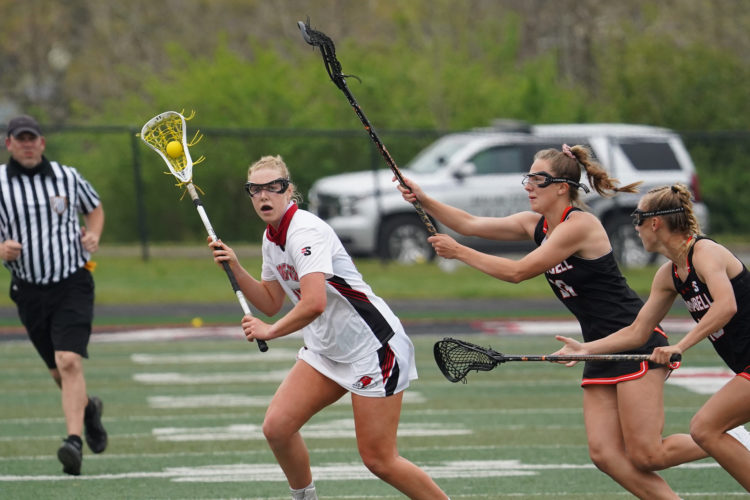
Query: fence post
x: 139, y: 198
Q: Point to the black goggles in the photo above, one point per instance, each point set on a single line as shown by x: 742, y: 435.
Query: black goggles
x: 279, y: 186
x: 639, y: 216
x: 543, y: 179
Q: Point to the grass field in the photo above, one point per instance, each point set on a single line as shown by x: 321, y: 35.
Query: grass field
x: 184, y: 419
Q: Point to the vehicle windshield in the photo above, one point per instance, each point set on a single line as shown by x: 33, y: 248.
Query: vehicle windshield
x: 435, y: 156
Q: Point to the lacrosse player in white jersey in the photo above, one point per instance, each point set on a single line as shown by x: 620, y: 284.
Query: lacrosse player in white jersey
x: 352, y: 340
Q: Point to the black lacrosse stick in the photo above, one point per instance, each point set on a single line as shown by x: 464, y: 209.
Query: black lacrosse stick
x: 333, y: 67
x: 456, y: 358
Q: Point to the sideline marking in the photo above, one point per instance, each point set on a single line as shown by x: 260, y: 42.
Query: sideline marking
x: 701, y: 380
x: 183, y: 333
x: 172, y: 378
x: 270, y: 472
x: 340, y: 428
x: 219, y: 357
x: 242, y: 400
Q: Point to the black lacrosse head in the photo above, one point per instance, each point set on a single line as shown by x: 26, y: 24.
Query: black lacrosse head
x: 456, y: 359
x: 327, y: 49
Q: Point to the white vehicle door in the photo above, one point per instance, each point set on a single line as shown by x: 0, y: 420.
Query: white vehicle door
x: 494, y: 189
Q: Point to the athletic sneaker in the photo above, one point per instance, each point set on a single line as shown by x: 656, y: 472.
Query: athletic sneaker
x: 71, y: 455
x: 740, y: 434
x: 96, y: 435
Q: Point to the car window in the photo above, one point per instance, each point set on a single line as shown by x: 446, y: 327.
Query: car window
x: 438, y: 154
x: 650, y: 155
x: 530, y: 150
x: 499, y: 160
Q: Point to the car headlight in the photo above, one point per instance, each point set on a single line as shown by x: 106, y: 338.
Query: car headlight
x: 348, y: 205
x: 327, y: 206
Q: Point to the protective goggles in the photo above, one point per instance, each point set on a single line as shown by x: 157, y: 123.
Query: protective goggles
x: 279, y: 186
x: 543, y: 179
x: 640, y: 216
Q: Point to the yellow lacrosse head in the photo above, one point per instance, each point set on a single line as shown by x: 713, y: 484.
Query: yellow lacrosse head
x: 164, y: 129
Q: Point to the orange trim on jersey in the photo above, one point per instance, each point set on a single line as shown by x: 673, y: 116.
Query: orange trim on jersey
x: 687, y: 262
x: 564, y: 215
x: 659, y: 330
x: 744, y: 375
x: 617, y: 380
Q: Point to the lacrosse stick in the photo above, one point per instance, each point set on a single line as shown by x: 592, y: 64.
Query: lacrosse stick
x: 456, y: 358
x: 166, y: 134
x: 333, y: 66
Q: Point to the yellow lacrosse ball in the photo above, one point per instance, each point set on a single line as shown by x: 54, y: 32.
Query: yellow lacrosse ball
x: 196, y: 322
x: 174, y: 149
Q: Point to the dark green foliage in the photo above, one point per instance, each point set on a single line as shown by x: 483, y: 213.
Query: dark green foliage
x: 430, y: 68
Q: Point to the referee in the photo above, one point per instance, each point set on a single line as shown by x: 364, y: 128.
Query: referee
x: 47, y: 252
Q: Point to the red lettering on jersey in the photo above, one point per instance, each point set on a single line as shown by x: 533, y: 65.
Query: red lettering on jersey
x: 287, y: 272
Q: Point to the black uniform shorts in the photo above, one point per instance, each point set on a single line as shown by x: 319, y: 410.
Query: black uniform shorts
x: 614, y: 372
x: 57, y: 316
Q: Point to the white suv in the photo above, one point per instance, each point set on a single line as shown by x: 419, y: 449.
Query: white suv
x: 480, y: 171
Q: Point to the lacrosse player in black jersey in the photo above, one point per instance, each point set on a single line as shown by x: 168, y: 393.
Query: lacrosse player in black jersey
x: 715, y: 286
x: 622, y: 401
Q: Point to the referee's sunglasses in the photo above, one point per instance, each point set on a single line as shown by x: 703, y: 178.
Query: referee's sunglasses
x: 279, y: 186
x: 639, y: 216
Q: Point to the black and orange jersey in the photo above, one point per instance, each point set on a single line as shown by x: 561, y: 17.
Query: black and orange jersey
x: 732, y: 342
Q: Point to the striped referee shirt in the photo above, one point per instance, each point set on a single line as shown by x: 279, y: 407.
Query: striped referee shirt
x: 39, y: 208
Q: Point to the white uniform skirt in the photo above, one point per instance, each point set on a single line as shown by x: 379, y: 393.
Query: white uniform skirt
x: 379, y: 374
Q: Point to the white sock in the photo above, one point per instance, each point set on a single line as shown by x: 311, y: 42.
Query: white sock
x: 306, y: 493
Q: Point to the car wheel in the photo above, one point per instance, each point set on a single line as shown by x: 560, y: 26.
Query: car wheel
x: 404, y: 239
x: 626, y: 244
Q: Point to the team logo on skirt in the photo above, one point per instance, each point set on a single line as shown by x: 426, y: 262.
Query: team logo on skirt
x: 363, y: 382
x: 58, y: 204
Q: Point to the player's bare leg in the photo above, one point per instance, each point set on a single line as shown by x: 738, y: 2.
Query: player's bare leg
x: 641, y: 406
x: 722, y: 412
x: 302, y: 394
x: 376, y: 440
x: 607, y: 446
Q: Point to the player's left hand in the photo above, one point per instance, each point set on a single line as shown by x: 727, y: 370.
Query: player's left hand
x: 255, y: 328
x: 444, y: 245
x: 572, y: 346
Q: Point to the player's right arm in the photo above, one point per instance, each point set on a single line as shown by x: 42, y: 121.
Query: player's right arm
x: 515, y: 227
x: 657, y: 306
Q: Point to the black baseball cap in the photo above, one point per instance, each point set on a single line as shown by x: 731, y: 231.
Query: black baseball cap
x: 21, y: 124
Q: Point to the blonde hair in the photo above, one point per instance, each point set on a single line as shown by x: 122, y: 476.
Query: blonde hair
x: 674, y: 196
x: 276, y: 163
x: 569, y: 167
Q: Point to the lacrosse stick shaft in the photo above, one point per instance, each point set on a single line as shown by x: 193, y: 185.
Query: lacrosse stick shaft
x: 325, y: 44
x: 387, y: 156
x: 232, y: 279
x: 581, y: 357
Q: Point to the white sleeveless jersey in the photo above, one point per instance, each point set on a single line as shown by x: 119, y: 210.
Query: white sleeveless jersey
x: 356, y: 322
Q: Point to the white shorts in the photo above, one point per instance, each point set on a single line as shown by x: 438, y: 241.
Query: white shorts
x: 382, y: 373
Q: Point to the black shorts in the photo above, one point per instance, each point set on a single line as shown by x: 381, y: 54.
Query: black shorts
x: 614, y: 372
x: 58, y: 316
